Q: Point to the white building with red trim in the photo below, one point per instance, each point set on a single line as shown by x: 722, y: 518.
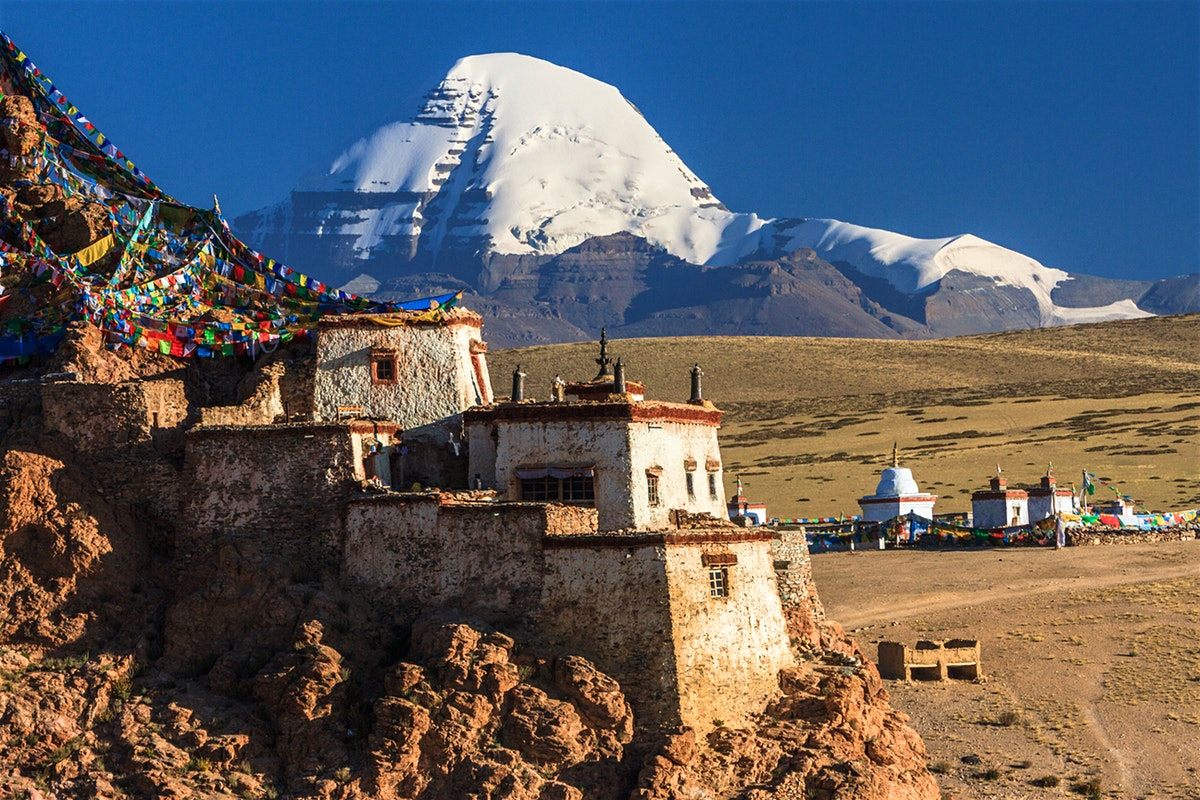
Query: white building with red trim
x: 1000, y: 506
x: 1047, y: 500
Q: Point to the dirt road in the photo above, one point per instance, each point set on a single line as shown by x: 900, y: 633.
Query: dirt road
x: 1092, y: 658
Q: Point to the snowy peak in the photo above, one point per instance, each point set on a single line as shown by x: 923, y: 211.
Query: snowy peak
x: 511, y: 157
x: 533, y: 156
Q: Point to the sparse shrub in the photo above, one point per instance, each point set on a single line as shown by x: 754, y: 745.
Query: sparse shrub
x: 940, y: 767
x: 1026, y: 764
x: 342, y: 774
x: 1089, y: 788
x: 1046, y: 781
x: 122, y: 687
x: 198, y: 764
x: 1009, y: 718
x: 989, y: 774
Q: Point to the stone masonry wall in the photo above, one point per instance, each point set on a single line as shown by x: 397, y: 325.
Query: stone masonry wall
x: 436, y: 376
x: 610, y: 605
x: 280, y: 487
x: 94, y: 416
x: 802, y: 606
x: 415, y: 553
x: 1105, y: 535
x: 729, y: 650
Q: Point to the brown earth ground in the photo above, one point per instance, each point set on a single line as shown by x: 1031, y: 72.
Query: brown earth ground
x: 810, y: 422
x: 1091, y: 658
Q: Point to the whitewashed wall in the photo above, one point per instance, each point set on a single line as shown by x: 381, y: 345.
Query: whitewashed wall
x: 729, y: 650
x: 621, y: 452
x: 997, y: 513
x: 667, y: 445
x: 436, y: 375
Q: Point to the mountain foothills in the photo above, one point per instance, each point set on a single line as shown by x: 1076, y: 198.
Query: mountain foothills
x: 549, y: 198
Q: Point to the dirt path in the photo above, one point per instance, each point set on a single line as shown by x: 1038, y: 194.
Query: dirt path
x: 856, y: 615
x: 1095, y: 649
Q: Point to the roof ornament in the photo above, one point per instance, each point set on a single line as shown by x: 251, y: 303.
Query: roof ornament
x: 518, y: 385
x: 604, y: 361
x: 895, y: 454
x: 558, y: 389
x: 619, y: 378
x: 697, y: 395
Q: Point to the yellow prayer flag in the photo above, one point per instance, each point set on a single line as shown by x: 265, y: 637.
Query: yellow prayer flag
x: 95, y: 251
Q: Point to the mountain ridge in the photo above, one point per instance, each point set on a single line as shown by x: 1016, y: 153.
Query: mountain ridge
x: 512, y: 162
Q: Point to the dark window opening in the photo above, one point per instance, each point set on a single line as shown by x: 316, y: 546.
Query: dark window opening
x: 652, y: 489
x: 691, y: 485
x: 712, y: 485
x: 383, y: 367
x: 576, y: 490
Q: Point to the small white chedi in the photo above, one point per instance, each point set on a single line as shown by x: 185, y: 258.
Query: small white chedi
x: 896, y: 495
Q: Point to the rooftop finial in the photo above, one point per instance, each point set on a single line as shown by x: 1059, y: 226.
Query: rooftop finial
x: 895, y: 454
x: 697, y: 394
x: 604, y: 361
x: 518, y: 385
x: 618, y: 378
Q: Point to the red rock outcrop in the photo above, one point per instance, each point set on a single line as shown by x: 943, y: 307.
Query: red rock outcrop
x: 317, y: 692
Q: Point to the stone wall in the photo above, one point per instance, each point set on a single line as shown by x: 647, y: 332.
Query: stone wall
x: 624, y: 452
x: 640, y: 606
x: 436, y: 373
x: 728, y: 650
x: 610, y: 604
x: 98, y: 416
x: 279, y: 487
x: 416, y: 552
x: 601, y: 444
x: 1105, y: 535
x: 802, y: 607
x: 667, y: 445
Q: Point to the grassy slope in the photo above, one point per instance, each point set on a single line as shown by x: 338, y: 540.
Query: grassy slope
x: 810, y: 422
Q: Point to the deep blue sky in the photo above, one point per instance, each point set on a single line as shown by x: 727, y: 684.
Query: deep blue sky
x: 1067, y: 131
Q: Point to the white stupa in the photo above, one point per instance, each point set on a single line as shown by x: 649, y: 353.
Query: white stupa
x: 896, y: 495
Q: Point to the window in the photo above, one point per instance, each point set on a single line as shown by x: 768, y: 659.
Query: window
x: 557, y: 485
x: 691, y: 485
x: 652, y: 489
x: 383, y: 367
x: 712, y: 485
x: 578, y: 489
x: 718, y: 582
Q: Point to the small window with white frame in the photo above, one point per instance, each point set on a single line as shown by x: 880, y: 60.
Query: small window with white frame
x: 718, y: 582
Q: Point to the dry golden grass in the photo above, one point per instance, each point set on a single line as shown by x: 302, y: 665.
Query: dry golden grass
x: 810, y: 422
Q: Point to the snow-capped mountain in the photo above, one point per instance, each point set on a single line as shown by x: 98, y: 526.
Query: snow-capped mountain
x: 511, y: 162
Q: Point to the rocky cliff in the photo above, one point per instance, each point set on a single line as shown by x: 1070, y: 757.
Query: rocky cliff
x: 320, y: 693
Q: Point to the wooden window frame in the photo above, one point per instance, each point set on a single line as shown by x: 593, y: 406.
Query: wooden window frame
x: 384, y: 357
